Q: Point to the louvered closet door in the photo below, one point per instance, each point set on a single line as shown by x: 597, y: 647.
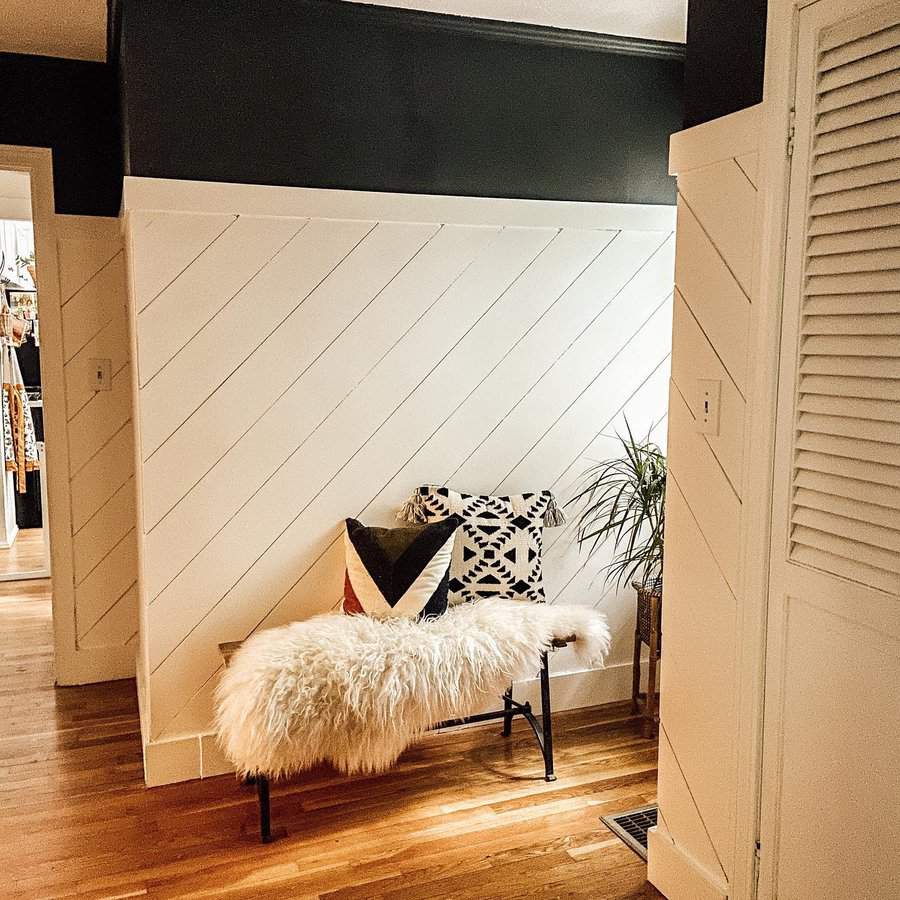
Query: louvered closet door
x: 831, y: 802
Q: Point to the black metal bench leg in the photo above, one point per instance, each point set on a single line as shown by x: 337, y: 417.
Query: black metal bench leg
x: 546, y: 719
x: 507, y: 712
x: 265, y: 811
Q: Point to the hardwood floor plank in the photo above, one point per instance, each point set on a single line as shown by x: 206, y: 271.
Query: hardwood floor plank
x: 465, y: 814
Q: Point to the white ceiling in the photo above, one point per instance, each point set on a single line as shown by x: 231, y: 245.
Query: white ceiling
x: 661, y: 20
x: 72, y: 28
x: 77, y: 28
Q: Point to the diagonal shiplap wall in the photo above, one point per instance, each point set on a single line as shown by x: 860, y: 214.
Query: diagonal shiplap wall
x: 297, y: 368
x: 692, y: 852
x: 100, y: 445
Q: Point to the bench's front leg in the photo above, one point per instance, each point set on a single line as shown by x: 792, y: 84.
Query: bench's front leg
x: 265, y: 811
x: 546, y: 719
x: 507, y: 712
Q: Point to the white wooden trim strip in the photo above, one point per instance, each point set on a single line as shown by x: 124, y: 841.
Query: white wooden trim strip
x: 855, y: 157
x: 860, y: 70
x: 862, y: 470
x: 148, y: 194
x: 723, y: 138
x: 846, y: 43
x: 863, y: 111
x: 860, y: 92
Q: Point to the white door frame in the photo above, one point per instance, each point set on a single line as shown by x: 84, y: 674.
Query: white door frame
x: 774, y: 185
x: 38, y: 163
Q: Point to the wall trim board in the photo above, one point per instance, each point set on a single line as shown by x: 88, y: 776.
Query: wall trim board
x: 73, y: 663
x: 89, y: 227
x: 211, y: 197
x: 38, y: 163
x: 93, y: 295
x: 496, y: 29
x: 186, y: 757
x: 721, y: 139
x: 676, y: 875
x: 708, y: 161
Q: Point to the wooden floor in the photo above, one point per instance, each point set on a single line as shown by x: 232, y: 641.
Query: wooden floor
x: 465, y: 815
x: 26, y: 553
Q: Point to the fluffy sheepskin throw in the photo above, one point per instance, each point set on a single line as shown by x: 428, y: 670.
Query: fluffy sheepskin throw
x: 354, y: 691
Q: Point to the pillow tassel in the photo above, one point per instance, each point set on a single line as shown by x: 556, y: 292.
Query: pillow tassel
x: 554, y: 516
x: 413, y: 511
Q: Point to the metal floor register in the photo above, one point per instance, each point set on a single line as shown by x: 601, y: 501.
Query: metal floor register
x: 632, y: 827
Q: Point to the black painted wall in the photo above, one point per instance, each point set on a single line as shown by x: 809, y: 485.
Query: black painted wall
x: 317, y: 93
x: 71, y: 107
x: 724, y: 58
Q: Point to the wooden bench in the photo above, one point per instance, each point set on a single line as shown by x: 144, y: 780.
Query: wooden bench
x: 543, y: 730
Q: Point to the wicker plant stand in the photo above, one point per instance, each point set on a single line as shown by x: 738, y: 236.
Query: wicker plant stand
x: 647, y: 630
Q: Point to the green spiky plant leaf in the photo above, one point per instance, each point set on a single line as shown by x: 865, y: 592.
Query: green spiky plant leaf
x: 624, y: 501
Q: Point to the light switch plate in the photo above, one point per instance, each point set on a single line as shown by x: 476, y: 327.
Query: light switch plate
x: 709, y: 392
x: 100, y: 374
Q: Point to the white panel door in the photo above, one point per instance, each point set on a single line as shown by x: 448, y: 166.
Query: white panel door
x: 831, y: 762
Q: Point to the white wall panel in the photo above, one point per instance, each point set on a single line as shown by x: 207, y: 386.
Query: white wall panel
x: 702, y: 191
x: 209, y: 283
x: 693, y: 358
x: 700, y: 641
x: 206, y: 360
x: 169, y: 244
x: 568, y: 378
x: 693, y: 852
x: 228, y: 425
x: 86, y: 312
x: 714, y: 296
x: 100, y: 438
x: 362, y: 356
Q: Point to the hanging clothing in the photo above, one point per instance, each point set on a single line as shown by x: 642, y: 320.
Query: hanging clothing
x: 19, y: 444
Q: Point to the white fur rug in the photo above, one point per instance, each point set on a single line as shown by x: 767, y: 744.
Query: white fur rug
x: 355, y: 691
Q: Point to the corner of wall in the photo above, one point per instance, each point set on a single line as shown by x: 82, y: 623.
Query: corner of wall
x: 675, y: 874
x: 692, y: 852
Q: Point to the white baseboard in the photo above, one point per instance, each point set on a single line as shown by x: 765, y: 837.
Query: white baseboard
x: 575, y: 690
x: 198, y: 756
x: 675, y: 875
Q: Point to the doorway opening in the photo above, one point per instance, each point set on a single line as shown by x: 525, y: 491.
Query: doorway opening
x: 24, y: 532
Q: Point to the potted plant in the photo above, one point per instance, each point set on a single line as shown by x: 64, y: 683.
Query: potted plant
x: 624, y: 501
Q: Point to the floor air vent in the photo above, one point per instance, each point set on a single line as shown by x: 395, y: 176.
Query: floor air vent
x: 632, y: 827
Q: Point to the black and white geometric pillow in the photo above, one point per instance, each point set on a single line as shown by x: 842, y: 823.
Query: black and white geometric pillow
x: 395, y: 572
x: 497, y: 551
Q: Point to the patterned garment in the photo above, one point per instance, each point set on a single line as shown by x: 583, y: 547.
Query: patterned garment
x: 19, y: 444
x: 498, y: 548
x: 395, y: 572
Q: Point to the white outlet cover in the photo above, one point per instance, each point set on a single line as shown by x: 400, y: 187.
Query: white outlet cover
x: 709, y: 392
x: 100, y: 374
